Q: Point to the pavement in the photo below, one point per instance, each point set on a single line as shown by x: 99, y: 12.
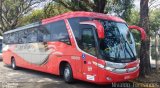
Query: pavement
x: 25, y: 78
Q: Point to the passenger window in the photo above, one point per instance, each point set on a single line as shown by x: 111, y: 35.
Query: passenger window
x: 15, y: 37
x: 5, y: 38
x: 12, y: 38
x: 87, y: 40
x: 55, y: 31
x: 27, y: 36
x: 32, y: 35
x: 9, y: 38
x: 74, y: 22
x: 22, y: 37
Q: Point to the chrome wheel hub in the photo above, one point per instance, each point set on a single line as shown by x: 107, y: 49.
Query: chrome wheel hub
x: 66, y: 73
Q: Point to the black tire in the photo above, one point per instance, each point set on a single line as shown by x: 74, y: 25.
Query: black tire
x: 13, y: 64
x: 67, y: 74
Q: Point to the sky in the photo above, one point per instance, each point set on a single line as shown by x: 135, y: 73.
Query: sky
x: 137, y: 4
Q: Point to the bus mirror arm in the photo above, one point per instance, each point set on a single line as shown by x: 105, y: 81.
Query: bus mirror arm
x: 141, y: 30
x: 99, y: 27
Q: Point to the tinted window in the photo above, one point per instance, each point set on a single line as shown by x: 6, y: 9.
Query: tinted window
x: 118, y: 44
x: 74, y: 22
x: 5, y: 38
x: 32, y: 35
x: 87, y: 42
x: 15, y: 35
x: 84, y: 34
x: 55, y: 31
x: 11, y: 38
x: 22, y: 36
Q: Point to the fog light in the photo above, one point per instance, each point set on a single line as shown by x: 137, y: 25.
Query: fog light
x: 108, y: 78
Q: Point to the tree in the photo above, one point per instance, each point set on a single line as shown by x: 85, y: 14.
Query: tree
x: 155, y: 27
x: 34, y: 16
x: 134, y: 16
x: 144, y: 51
x: 12, y: 10
x: 154, y: 20
x: 154, y: 4
x: 123, y: 9
x: 156, y: 49
x: 53, y: 9
x: 84, y: 5
x: 1, y: 13
x: 101, y: 6
x: 50, y: 9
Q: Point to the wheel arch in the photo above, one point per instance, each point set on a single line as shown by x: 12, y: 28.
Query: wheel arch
x: 12, y: 57
x: 62, y: 66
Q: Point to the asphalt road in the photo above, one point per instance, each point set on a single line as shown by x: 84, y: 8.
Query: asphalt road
x: 25, y: 78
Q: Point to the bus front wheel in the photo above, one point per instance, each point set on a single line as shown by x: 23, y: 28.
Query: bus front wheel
x: 68, y: 75
x: 13, y: 64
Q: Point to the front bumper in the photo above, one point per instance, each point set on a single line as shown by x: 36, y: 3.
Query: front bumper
x: 110, y: 77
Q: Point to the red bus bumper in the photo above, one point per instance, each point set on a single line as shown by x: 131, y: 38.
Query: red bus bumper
x: 110, y: 77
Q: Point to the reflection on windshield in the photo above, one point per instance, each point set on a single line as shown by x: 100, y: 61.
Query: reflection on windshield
x: 118, y: 44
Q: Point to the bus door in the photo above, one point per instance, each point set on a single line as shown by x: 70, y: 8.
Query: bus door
x: 88, y: 46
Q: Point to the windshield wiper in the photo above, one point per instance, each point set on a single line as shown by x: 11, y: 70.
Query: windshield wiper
x: 129, y: 47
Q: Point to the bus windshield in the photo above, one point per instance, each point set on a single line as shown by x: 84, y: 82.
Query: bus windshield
x: 118, y: 44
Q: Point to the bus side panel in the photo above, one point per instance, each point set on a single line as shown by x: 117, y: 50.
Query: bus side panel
x: 7, y: 53
x: 6, y: 56
x: 62, y: 53
x: 20, y: 62
x: 65, y: 53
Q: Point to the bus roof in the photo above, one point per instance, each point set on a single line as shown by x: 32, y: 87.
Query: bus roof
x: 24, y: 27
x: 69, y: 15
x: 82, y: 14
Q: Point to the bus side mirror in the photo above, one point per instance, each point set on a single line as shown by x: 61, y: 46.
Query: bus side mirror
x: 99, y: 27
x: 141, y: 30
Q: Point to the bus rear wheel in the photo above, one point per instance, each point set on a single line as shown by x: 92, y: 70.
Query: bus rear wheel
x: 13, y: 64
x: 67, y: 74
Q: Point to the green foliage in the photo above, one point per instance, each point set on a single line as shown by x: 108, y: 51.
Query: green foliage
x: 12, y: 11
x: 35, y: 16
x: 53, y: 9
x: 101, y: 6
x: 80, y: 5
x: 155, y: 20
x: 154, y: 24
x: 49, y: 10
x: 134, y: 20
x: 57, y: 7
x: 137, y: 36
x: 134, y: 17
x: 123, y: 8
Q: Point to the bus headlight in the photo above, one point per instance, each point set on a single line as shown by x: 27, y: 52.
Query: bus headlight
x: 109, y: 68
x: 99, y: 65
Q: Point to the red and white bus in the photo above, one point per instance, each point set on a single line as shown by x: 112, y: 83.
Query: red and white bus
x: 87, y: 46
